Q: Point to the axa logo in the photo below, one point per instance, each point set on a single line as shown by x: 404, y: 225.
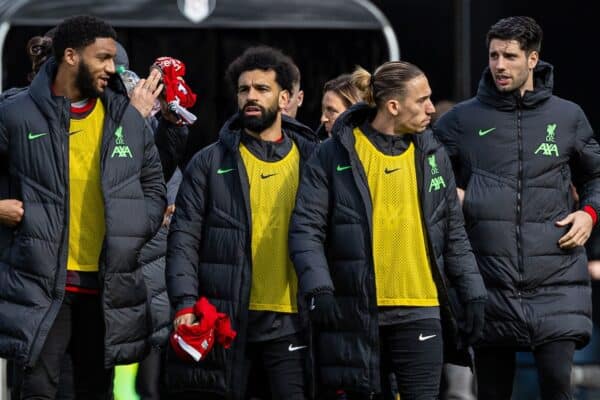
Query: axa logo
x: 121, y: 149
x: 549, y: 148
x: 437, y: 181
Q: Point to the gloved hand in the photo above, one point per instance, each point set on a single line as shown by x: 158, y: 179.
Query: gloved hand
x: 323, y: 310
x: 474, y: 320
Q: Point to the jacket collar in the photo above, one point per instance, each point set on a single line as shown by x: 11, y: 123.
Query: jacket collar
x: 230, y: 133
x: 543, y: 77
x: 361, y: 112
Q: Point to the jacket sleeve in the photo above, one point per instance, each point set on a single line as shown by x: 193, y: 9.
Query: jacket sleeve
x: 4, y: 167
x: 308, y: 228
x: 586, y: 164
x: 153, y: 184
x: 185, y: 236
x: 170, y: 141
x: 447, y: 131
x: 461, y: 266
x: 3, y: 138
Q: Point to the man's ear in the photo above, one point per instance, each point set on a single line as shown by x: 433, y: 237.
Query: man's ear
x: 300, y: 97
x: 71, y: 56
x: 393, y: 107
x: 284, y: 99
x: 533, y: 59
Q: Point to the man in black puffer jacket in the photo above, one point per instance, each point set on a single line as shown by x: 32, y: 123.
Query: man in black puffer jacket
x: 378, y: 241
x: 516, y: 150
x: 85, y: 167
x: 228, y: 240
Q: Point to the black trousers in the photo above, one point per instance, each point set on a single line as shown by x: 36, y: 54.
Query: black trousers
x: 495, y: 371
x: 79, y: 326
x: 413, y: 354
x: 280, y: 365
x: 274, y: 369
x: 411, y: 357
x: 148, y: 378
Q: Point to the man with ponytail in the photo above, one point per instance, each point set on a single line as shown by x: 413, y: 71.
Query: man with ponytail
x: 378, y: 241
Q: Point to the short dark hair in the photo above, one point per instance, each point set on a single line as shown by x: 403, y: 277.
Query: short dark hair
x: 295, y: 74
x: 79, y: 32
x: 522, y: 29
x: 264, y: 58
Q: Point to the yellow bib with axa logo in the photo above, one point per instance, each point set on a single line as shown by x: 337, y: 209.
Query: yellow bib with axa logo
x: 273, y: 187
x: 86, y: 205
x: 402, y: 268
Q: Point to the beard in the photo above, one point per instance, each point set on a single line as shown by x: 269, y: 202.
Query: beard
x: 258, y: 124
x: 85, y: 82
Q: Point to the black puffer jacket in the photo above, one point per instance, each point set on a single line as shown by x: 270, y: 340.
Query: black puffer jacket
x: 331, y: 247
x: 34, y: 137
x: 153, y: 259
x: 209, y: 254
x: 516, y: 158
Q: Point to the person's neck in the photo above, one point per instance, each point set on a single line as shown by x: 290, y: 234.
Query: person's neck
x: 528, y: 85
x: 384, y: 124
x: 64, y: 85
x: 271, y: 134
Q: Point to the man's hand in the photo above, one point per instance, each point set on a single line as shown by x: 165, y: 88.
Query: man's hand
x: 184, y: 319
x: 167, y: 114
x: 581, y: 229
x: 324, y: 311
x: 145, y: 93
x: 169, y: 211
x: 594, y: 269
x: 11, y: 212
x: 460, y: 193
x: 474, y: 321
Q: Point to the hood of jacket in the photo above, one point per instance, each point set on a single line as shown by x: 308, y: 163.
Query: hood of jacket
x: 543, y: 84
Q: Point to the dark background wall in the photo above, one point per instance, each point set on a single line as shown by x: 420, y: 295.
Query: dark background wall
x: 426, y: 33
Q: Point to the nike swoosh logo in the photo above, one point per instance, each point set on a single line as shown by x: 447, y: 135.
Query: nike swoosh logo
x: 312, y: 304
x: 292, y: 348
x: 389, y: 171
x: 483, y: 133
x: 423, y: 338
x: 341, y: 168
x: 33, y: 136
x: 224, y: 171
x: 263, y: 176
x: 72, y: 133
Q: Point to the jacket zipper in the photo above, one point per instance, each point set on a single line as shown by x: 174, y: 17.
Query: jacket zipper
x: 520, y: 267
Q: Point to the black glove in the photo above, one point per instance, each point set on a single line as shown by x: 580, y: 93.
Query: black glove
x: 323, y: 310
x: 474, y: 320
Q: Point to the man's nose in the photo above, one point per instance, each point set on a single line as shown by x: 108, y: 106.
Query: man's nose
x: 110, y: 66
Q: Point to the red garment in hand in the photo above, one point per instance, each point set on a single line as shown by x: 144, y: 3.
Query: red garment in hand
x: 175, y: 89
x: 194, y: 342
